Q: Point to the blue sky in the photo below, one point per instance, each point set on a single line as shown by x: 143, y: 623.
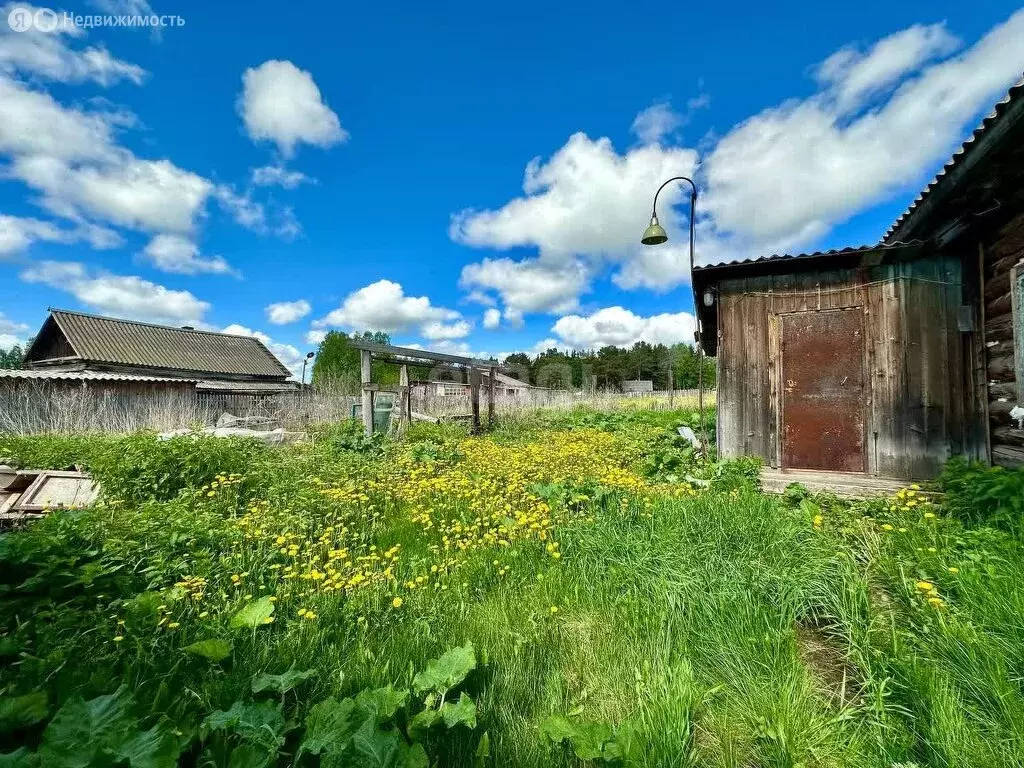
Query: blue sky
x: 468, y: 177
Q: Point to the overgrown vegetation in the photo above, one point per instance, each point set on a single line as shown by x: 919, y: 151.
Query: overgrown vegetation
x: 578, y: 588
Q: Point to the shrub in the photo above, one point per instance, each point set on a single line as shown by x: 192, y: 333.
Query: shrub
x: 349, y: 436
x: 54, y: 451
x: 741, y: 474
x: 993, y: 495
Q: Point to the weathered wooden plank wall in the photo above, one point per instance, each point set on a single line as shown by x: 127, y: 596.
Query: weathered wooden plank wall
x: 920, y: 404
x: 1001, y: 253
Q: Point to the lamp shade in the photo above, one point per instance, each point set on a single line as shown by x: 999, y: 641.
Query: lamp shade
x: 654, y: 234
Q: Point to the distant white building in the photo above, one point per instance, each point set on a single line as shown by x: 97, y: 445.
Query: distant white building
x: 637, y: 385
x: 504, y: 385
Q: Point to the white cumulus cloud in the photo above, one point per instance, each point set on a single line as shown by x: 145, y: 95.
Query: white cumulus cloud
x: 178, y: 254
x: 284, y: 312
x: 125, y: 296
x: 18, y: 233
x: 492, y: 318
x: 11, y: 333
x: 383, y: 306
x: 528, y: 285
x: 619, y: 327
x: 47, y: 55
x: 787, y: 175
x: 656, y: 122
x: 289, y: 355
x: 278, y: 175
x: 282, y: 104
x: 883, y: 119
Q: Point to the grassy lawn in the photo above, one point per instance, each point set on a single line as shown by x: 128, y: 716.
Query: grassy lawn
x: 571, y: 589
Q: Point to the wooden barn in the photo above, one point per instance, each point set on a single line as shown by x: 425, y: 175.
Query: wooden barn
x: 884, y: 361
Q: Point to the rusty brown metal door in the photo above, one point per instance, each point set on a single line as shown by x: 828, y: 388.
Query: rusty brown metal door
x: 823, y: 397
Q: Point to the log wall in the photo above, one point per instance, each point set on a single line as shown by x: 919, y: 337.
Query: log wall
x: 1000, y: 254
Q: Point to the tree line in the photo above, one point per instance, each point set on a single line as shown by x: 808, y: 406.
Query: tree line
x: 606, y: 369
x: 10, y: 359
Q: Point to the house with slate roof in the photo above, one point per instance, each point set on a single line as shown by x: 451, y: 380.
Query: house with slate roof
x: 78, y: 347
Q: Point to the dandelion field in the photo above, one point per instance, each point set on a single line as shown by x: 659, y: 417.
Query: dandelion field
x: 571, y: 589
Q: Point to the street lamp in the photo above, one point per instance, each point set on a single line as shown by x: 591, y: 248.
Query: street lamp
x: 306, y: 359
x: 655, y: 234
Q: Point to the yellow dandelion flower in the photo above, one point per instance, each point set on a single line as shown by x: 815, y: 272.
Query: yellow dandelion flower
x: 924, y: 586
x: 553, y: 610
x: 396, y: 603
x: 118, y: 638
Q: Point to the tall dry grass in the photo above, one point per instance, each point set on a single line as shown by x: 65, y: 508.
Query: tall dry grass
x: 42, y: 408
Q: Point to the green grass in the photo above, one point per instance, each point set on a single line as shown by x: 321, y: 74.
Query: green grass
x: 719, y: 628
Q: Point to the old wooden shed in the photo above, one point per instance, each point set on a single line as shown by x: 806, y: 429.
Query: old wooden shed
x: 886, y: 360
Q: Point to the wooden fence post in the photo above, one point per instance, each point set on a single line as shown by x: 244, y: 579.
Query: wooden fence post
x: 474, y: 396
x: 366, y: 369
x: 404, y: 395
x: 490, y: 397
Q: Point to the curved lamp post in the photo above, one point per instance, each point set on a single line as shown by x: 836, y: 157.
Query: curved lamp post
x: 302, y: 385
x: 655, y: 234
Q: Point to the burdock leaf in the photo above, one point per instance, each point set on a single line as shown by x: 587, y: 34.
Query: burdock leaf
x: 281, y: 683
x: 381, y: 703
x: 253, y: 614
x: 155, y: 748
x: 415, y: 757
x: 376, y: 747
x: 421, y: 724
x: 590, y: 739
x: 330, y: 726
x: 557, y: 728
x: 463, y: 711
x: 83, y: 730
x: 213, y: 649
x: 261, y: 722
x: 22, y: 711
x: 19, y: 758
x: 447, y: 671
x: 251, y: 756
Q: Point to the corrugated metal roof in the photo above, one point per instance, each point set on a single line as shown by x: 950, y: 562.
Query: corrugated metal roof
x: 1016, y: 92
x: 127, y: 342
x: 812, y: 255
x: 247, y: 386
x: 88, y: 376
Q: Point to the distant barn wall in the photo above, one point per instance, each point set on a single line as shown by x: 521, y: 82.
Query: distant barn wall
x: 922, y: 375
